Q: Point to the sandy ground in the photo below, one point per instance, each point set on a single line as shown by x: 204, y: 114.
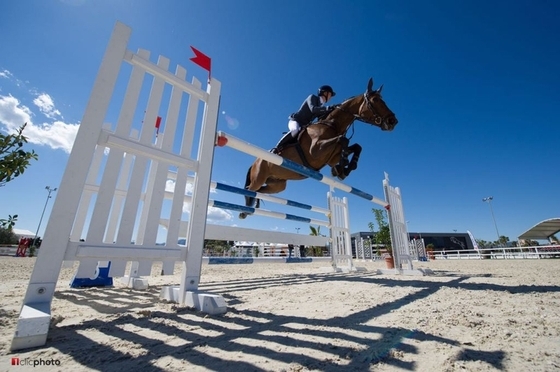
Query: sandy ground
x: 469, y: 316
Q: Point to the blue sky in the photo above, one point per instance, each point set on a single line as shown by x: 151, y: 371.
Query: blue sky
x: 474, y: 84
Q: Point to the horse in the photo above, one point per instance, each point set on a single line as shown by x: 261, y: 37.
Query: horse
x: 322, y: 143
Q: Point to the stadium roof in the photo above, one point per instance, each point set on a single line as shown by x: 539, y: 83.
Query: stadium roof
x: 542, y: 230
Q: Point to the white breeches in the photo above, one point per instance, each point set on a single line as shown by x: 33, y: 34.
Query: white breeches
x: 294, y: 127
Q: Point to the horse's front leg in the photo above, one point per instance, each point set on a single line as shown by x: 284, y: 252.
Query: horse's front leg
x: 344, y: 166
x: 355, y: 150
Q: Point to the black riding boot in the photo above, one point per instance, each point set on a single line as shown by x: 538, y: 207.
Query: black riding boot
x: 285, y: 140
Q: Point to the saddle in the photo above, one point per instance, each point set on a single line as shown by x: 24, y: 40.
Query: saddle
x: 288, y: 141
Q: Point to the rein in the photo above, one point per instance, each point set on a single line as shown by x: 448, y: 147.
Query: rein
x: 377, y: 119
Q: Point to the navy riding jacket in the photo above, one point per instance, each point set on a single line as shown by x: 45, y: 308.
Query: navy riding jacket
x: 310, y: 109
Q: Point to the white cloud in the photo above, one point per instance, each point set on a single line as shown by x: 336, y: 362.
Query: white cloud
x: 5, y: 74
x: 57, y: 135
x: 218, y: 215
x: 214, y: 214
x: 46, y: 105
x: 170, y: 187
x: 12, y: 114
x: 8, y: 75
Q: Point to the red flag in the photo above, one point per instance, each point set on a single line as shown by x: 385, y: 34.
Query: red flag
x: 202, y: 60
x: 158, y: 123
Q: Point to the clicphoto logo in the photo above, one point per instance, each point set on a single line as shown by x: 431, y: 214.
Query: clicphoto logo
x: 15, y: 361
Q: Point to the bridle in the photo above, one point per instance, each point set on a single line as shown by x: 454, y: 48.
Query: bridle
x: 377, y: 119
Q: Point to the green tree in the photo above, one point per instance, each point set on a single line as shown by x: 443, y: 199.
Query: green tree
x: 383, y: 234
x: 482, y: 243
x: 217, y: 247
x: 503, y: 241
x: 13, y: 159
x: 9, y: 223
x: 529, y: 243
x: 7, y: 236
x: 316, y: 231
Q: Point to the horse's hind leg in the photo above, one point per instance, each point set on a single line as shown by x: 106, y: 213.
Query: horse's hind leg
x: 250, y: 201
x: 273, y: 187
x: 256, y: 177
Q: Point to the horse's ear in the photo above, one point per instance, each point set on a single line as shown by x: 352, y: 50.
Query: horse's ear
x: 380, y: 89
x: 370, y: 84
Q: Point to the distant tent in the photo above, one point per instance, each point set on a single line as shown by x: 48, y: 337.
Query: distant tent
x: 542, y: 231
x: 21, y: 233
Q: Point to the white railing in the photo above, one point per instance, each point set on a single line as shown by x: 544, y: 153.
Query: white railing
x: 534, y: 252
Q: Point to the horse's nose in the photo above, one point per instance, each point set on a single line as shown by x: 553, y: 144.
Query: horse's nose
x: 389, y: 123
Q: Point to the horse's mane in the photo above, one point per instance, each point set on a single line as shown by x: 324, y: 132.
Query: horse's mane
x: 326, y: 115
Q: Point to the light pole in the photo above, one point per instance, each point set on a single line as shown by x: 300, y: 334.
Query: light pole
x: 48, y: 188
x: 489, y: 201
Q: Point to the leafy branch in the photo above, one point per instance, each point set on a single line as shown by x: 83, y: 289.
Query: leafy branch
x: 13, y: 159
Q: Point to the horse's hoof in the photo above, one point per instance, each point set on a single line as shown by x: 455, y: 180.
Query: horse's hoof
x: 242, y: 216
x: 336, y: 173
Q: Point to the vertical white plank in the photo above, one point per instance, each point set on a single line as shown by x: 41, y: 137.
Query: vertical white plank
x: 182, y: 175
x: 119, y: 197
x: 199, y: 209
x: 81, y: 215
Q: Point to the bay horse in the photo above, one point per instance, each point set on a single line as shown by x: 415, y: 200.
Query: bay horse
x: 321, y: 143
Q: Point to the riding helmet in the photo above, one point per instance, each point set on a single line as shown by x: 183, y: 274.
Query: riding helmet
x: 326, y: 88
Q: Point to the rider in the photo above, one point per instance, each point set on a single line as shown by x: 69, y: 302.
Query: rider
x: 312, y: 108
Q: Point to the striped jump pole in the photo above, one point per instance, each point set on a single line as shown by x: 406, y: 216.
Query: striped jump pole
x: 267, y: 197
x: 264, y: 212
x: 224, y: 139
x: 273, y: 199
x: 261, y: 212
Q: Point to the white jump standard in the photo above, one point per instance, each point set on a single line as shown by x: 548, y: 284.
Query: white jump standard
x: 110, y: 219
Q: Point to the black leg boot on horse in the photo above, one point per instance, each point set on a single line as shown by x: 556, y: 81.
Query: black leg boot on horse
x: 355, y: 150
x: 287, y: 139
x: 338, y: 169
x: 345, y: 166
